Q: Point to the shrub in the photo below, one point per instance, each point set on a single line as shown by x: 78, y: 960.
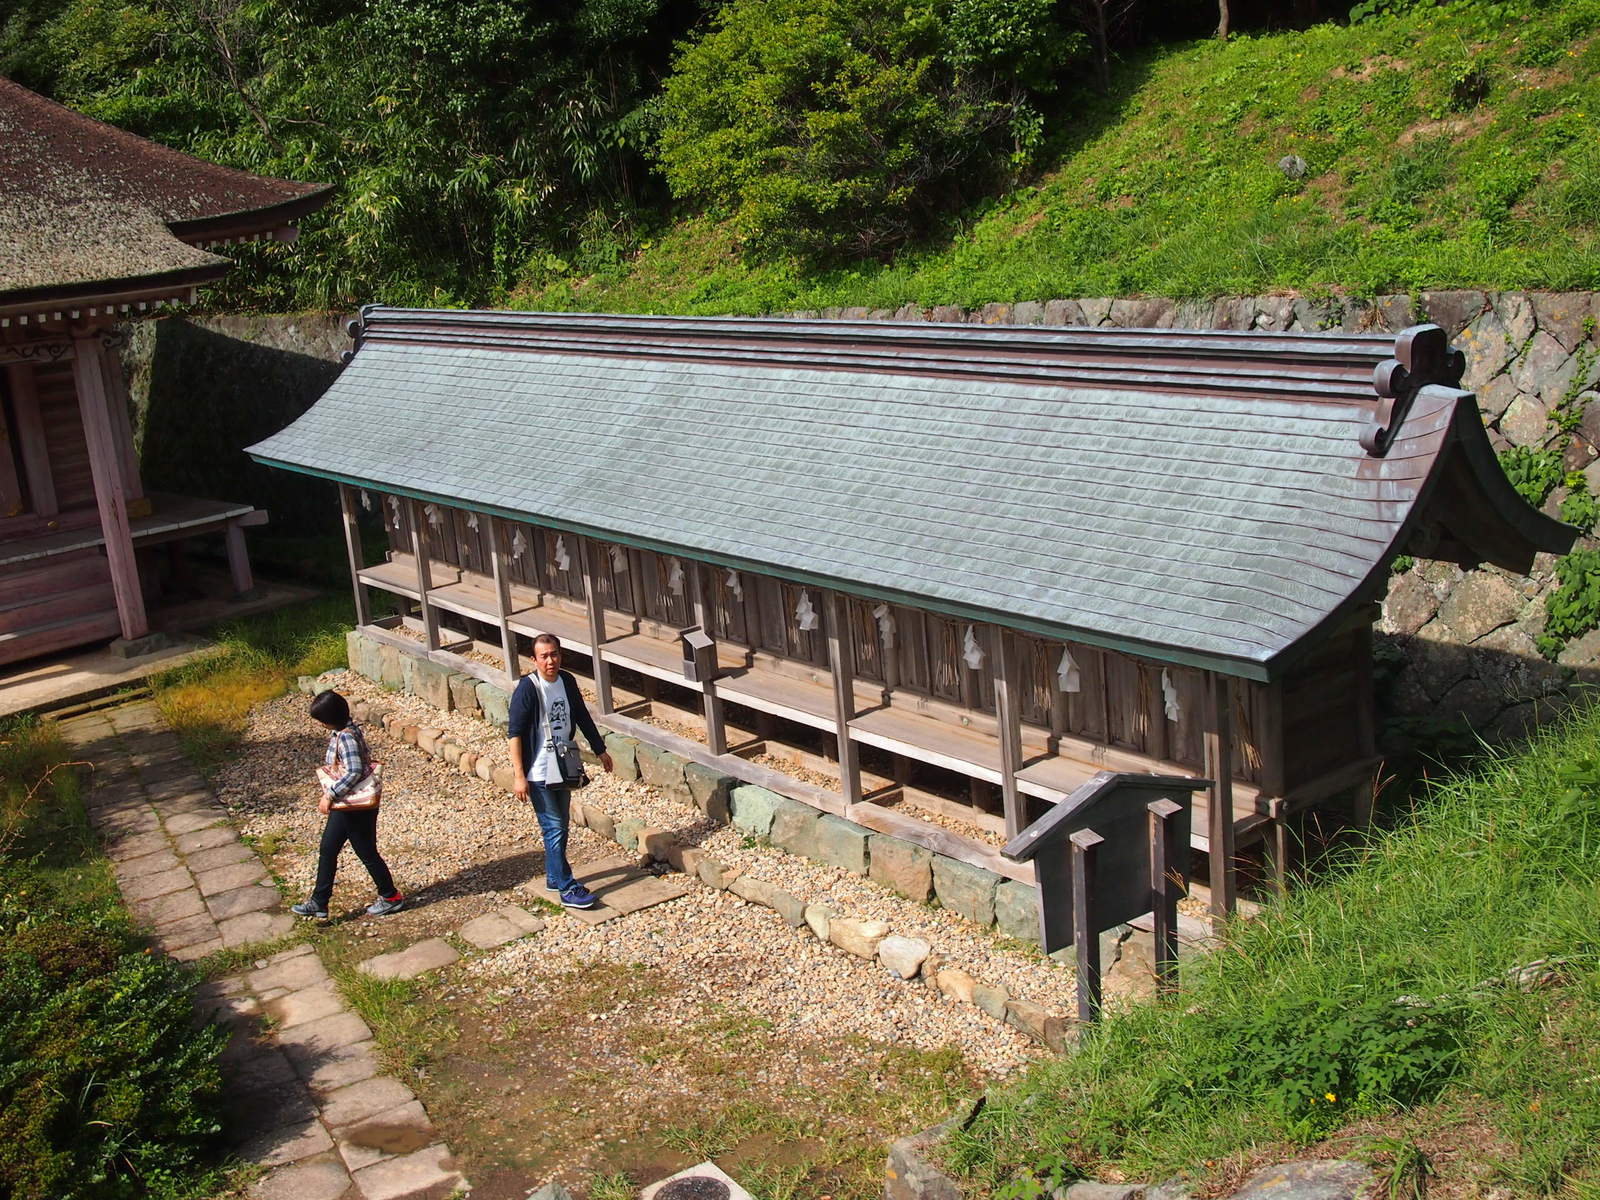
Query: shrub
x: 827, y: 127
x: 107, y: 1089
x: 1574, y: 607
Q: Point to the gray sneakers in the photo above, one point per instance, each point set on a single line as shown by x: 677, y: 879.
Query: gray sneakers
x: 382, y: 908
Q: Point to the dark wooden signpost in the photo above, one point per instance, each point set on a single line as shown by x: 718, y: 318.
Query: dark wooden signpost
x: 1108, y: 853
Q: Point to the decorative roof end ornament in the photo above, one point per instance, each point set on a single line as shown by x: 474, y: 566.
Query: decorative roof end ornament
x: 1422, y: 356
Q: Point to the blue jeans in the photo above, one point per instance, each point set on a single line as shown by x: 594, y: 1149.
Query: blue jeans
x: 553, y: 806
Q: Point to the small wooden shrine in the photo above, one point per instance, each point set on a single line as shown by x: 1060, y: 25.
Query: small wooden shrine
x: 97, y: 227
x: 979, y: 565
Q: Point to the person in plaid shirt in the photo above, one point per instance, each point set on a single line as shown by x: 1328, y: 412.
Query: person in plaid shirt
x: 347, y: 751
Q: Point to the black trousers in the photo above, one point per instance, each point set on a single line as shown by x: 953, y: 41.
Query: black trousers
x: 359, y: 827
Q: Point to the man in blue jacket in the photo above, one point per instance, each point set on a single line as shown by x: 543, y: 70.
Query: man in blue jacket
x: 545, y: 710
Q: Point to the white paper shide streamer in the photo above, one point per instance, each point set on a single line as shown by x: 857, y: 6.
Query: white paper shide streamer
x: 735, y: 585
x: 619, y: 560
x: 431, y: 511
x: 885, y: 620
x: 394, y: 512
x: 971, y: 651
x: 675, y: 577
x: 1169, y: 696
x: 804, y: 614
x: 366, y: 500
x: 472, y: 522
x: 563, y: 559
x: 1067, y: 677
x: 518, y: 544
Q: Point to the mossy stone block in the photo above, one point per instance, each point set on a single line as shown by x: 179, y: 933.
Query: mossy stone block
x: 754, y: 808
x: 1016, y: 910
x: 842, y: 843
x: 901, y: 866
x: 464, y: 693
x: 964, y: 889
x: 624, y: 752
x: 495, y: 702
x: 428, y: 681
x: 628, y: 831
x: 391, y: 668
x: 794, y: 828
x: 663, y: 769
x: 709, y: 790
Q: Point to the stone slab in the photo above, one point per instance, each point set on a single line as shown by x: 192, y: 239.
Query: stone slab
x: 134, y: 845
x: 1309, y: 1179
x: 225, y: 879
x: 198, y: 951
x: 249, y: 899
x: 154, y: 863
x: 496, y: 929
x: 291, y: 1143
x: 174, y: 906
x: 427, y: 955
x: 149, y: 887
x: 322, y: 1177
x: 192, y: 822
x: 254, y: 927
x: 294, y: 973
x: 426, y: 1174
x: 322, y: 1036
x: 308, y: 1004
x: 188, y: 931
x: 204, y: 839
x: 219, y: 856
x: 326, y: 1068
x: 360, y: 1101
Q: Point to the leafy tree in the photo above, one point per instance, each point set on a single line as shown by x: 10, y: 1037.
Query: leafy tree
x: 849, y: 127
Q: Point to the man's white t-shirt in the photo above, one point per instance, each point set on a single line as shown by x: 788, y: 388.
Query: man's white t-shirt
x: 555, y: 722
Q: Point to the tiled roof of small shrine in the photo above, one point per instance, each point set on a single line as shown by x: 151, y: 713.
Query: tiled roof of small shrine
x: 88, y: 210
x: 1195, y: 497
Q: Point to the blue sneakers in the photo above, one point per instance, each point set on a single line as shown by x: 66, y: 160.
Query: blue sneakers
x: 578, y: 896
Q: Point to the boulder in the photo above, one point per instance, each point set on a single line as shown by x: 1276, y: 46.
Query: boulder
x: 819, y: 919
x: 662, y: 769
x: 1039, y: 1023
x: 464, y: 693
x: 964, y: 889
x: 956, y: 984
x: 628, y: 831
x: 757, y: 891
x: 1410, y: 604
x: 861, y: 938
x: 599, y: 820
x: 1309, y: 1179
x: 900, y: 866
x: 992, y: 999
x: 427, y: 680
x: 713, y: 873
x: 788, y: 906
x: 1479, y: 604
x: 903, y: 957
x: 495, y: 702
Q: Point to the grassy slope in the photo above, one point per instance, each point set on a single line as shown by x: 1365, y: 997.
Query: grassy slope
x: 1170, y: 185
x: 1499, y: 869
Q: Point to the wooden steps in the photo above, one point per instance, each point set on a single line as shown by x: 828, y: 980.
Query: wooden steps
x: 58, y: 635
x: 50, y: 604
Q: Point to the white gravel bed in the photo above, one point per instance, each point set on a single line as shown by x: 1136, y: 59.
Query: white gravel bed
x: 459, y: 847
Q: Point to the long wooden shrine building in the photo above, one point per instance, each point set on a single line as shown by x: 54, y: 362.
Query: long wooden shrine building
x: 1003, y: 558
x: 97, y: 227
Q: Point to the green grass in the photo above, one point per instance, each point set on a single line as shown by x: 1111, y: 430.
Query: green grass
x: 1497, y: 869
x: 1454, y: 147
x: 207, y: 703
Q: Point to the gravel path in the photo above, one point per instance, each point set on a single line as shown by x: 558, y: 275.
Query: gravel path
x: 459, y: 848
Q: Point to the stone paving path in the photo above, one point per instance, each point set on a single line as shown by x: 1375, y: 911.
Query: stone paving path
x: 304, y: 1089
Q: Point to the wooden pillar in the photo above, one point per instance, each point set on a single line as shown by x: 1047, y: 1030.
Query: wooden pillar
x: 419, y: 549
x: 588, y: 552
x: 502, y: 599
x: 1085, y: 847
x: 352, y: 552
x: 1009, y: 726
x: 31, y: 441
x: 105, y: 465
x: 1219, y: 765
x: 716, y: 731
x: 843, y: 699
x: 239, y: 559
x: 122, y: 428
x: 1165, y: 887
x: 1280, y: 844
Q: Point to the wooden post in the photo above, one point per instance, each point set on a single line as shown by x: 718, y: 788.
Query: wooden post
x: 31, y: 441
x: 88, y: 373
x: 122, y: 429
x: 1010, y: 731
x: 636, y: 587
x: 843, y: 699
x: 716, y: 730
x: 1164, y: 889
x: 239, y: 559
x: 502, y: 599
x: 1219, y: 765
x: 419, y: 548
x: 587, y: 553
x: 352, y: 551
x: 1280, y: 844
x: 1085, y: 930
